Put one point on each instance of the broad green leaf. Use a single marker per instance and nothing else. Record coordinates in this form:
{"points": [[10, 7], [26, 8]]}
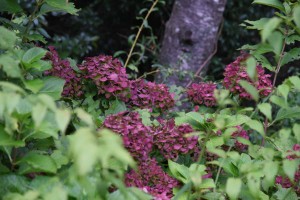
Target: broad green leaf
{"points": [[279, 101], [270, 171], [38, 114], [285, 194], [277, 46], [53, 87], [10, 66], [284, 90], [10, 6], [235, 120], [8, 140], [57, 192], [253, 183], [251, 68], [85, 117], [233, 187], [63, 118], [290, 167], [250, 89], [59, 158], [296, 81], [266, 109], [7, 39], [39, 65], [296, 130], [33, 54], [58, 5], [131, 193], [207, 184], [34, 85], [214, 142], [84, 150], [269, 28], [13, 183], [296, 15], [40, 163], [7, 86], [258, 25], [36, 37], [288, 113], [180, 172], [256, 125], [116, 106], [290, 56], [272, 3]]}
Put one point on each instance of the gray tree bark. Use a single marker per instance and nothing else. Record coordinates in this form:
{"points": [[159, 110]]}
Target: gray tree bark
{"points": [[189, 39]]}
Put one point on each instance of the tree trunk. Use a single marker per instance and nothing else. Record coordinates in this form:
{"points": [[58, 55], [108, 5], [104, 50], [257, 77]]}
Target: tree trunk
{"points": [[190, 38]]}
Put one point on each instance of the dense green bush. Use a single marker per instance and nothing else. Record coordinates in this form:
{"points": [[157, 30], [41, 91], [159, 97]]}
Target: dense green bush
{"points": [[241, 141]]}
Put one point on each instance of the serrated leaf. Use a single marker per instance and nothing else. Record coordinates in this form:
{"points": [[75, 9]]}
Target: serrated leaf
{"points": [[250, 89], [258, 25], [290, 167], [58, 5], [40, 163], [292, 55], [269, 28], [296, 16], [8, 38], [233, 187], [285, 113], [10, 66], [266, 109], [53, 87], [10, 6], [272, 3]]}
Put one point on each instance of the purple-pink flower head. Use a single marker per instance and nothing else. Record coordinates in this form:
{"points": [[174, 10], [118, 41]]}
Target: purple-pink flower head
{"points": [[108, 75], [150, 95], [236, 71], [243, 134], [151, 178], [62, 69], [202, 93], [137, 137], [171, 140]]}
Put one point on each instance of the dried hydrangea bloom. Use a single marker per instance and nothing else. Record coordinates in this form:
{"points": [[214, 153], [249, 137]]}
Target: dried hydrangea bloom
{"points": [[137, 138], [62, 69], [236, 71], [150, 95], [108, 75], [202, 94], [171, 140], [151, 178]]}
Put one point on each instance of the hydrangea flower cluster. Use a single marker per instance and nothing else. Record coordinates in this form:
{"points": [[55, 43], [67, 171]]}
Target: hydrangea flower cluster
{"points": [[62, 69], [109, 76], [150, 95], [285, 182], [152, 179], [171, 141], [236, 71], [202, 93], [137, 138], [243, 134]]}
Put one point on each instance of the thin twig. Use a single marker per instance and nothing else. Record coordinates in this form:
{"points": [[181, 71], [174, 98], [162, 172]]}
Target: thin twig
{"points": [[139, 32], [148, 73]]}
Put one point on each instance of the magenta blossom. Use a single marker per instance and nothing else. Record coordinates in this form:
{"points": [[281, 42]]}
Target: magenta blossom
{"points": [[236, 71], [202, 93]]}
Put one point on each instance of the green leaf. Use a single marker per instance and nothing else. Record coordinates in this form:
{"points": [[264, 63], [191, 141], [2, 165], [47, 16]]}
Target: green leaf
{"points": [[39, 163], [38, 114], [257, 126], [284, 90], [290, 56], [269, 27], [272, 3], [84, 116], [285, 113], [296, 130], [251, 68], [285, 194], [180, 172], [10, 66], [233, 187], [296, 16], [279, 101], [116, 106], [277, 46], [250, 89], [33, 54], [7, 39], [290, 167], [295, 80], [34, 85], [53, 87], [59, 158], [58, 5], [13, 183], [258, 25], [10, 6], [270, 171], [7, 140], [63, 118], [266, 109]]}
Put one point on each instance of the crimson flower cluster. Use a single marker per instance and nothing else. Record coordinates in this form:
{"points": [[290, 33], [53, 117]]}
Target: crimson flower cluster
{"points": [[243, 134], [236, 71], [152, 179], [109, 76], [137, 138], [62, 69], [285, 182], [150, 95], [171, 141], [202, 93]]}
